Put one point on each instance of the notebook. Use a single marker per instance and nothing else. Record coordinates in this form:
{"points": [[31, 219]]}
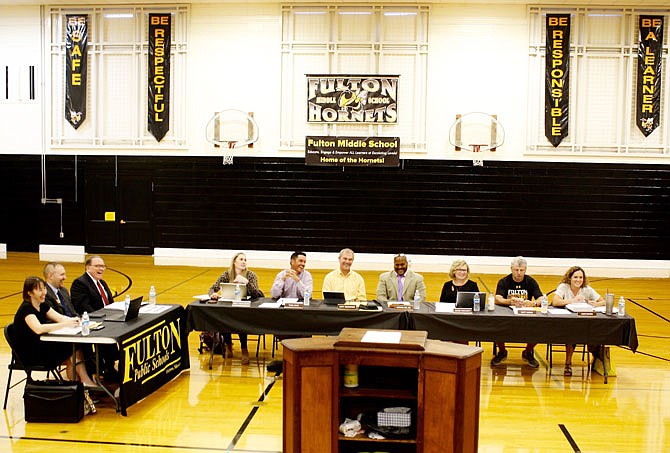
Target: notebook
{"points": [[464, 300], [228, 292], [132, 313], [333, 298]]}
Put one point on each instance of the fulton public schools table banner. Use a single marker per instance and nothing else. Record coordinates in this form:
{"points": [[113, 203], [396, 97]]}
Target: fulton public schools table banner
{"points": [[650, 48], [352, 151], [153, 356], [557, 92], [76, 39], [335, 98], [159, 74]]}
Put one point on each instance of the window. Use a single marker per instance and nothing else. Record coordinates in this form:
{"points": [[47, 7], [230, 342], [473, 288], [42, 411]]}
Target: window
{"points": [[354, 40], [603, 73], [116, 104]]}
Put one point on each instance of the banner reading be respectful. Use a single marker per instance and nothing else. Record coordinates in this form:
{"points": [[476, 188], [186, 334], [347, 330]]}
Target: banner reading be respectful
{"points": [[352, 151]]}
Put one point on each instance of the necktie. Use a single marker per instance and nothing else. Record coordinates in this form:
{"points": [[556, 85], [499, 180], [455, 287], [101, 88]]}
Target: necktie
{"points": [[400, 288], [61, 299], [103, 293]]}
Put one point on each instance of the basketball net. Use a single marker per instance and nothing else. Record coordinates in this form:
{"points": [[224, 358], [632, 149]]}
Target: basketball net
{"points": [[228, 153]]}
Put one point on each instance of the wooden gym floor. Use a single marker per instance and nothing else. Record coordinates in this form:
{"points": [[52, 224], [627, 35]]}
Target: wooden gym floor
{"points": [[239, 408]]}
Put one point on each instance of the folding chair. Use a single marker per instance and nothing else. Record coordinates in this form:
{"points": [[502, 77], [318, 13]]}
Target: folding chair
{"points": [[17, 364]]}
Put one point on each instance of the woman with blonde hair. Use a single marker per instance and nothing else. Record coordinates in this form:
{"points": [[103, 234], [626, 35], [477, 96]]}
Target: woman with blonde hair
{"points": [[237, 273], [460, 281]]}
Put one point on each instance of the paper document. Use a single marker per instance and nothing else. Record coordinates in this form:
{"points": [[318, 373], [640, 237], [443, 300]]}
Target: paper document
{"points": [[154, 308], [276, 304], [374, 336], [444, 307], [558, 311], [67, 331]]}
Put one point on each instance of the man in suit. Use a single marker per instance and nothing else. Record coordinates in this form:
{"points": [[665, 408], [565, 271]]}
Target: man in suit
{"points": [[90, 293], [57, 296], [400, 283]]}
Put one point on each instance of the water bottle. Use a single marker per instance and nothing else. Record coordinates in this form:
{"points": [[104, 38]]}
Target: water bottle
{"points": [[475, 303], [544, 304], [492, 303], [126, 304], [306, 296], [417, 300], [238, 292], [152, 295], [622, 306], [85, 323]]}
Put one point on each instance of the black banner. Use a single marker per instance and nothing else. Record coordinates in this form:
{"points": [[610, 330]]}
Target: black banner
{"points": [[352, 99], [159, 74], [649, 56], [352, 151], [556, 91], [76, 38], [153, 356]]}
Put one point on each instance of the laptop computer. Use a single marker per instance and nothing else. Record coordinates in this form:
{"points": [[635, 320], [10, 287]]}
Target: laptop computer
{"points": [[464, 300], [132, 313], [228, 292], [333, 297]]}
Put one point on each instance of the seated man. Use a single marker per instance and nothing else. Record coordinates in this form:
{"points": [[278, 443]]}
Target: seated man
{"points": [[90, 293], [519, 290], [293, 282], [345, 280], [400, 283]]}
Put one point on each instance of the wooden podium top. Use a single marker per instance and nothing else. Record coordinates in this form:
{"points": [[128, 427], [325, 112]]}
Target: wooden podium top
{"points": [[414, 340]]}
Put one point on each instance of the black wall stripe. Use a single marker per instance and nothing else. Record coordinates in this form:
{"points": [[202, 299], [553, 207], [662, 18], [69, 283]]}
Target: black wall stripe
{"points": [[540, 209]]}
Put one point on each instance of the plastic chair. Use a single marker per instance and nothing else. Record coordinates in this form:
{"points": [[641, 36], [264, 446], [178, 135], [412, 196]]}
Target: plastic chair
{"points": [[17, 364]]}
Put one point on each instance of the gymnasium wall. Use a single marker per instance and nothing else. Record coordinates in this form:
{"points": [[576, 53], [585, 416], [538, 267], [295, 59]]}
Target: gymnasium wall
{"points": [[541, 209]]}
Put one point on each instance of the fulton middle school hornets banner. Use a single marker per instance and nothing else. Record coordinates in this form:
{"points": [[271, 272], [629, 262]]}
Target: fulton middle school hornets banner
{"points": [[76, 38], [649, 56], [556, 97], [352, 98], [159, 74]]}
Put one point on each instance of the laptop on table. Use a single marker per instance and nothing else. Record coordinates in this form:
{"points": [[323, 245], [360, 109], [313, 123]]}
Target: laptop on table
{"points": [[228, 292], [333, 298], [464, 299], [132, 313]]}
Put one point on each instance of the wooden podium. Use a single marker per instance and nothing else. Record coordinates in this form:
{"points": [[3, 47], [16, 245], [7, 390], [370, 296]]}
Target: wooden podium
{"points": [[438, 381]]}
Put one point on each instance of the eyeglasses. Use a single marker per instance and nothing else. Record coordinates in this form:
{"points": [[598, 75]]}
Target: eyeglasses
{"points": [[399, 255], [461, 270], [99, 266]]}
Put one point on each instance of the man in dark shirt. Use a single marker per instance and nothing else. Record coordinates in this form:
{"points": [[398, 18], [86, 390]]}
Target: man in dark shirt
{"points": [[519, 290], [58, 296]]}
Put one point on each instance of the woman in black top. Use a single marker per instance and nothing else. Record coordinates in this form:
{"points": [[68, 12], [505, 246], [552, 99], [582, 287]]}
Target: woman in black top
{"points": [[459, 275], [33, 318]]}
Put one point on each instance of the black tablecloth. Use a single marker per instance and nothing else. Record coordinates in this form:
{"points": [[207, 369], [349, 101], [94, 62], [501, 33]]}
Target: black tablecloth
{"points": [[317, 319], [503, 325], [499, 325]]}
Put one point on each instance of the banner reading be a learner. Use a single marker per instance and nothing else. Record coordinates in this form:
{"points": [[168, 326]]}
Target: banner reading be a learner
{"points": [[352, 151]]}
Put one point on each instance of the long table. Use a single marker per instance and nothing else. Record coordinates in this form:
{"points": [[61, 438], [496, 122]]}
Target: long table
{"points": [[153, 349], [499, 325]]}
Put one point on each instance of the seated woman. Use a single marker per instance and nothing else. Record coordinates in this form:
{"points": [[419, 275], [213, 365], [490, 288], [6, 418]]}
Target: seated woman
{"points": [[237, 273], [460, 281], [31, 320], [574, 287]]}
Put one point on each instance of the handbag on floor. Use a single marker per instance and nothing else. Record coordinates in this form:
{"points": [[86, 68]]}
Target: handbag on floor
{"points": [[54, 401], [599, 367]]}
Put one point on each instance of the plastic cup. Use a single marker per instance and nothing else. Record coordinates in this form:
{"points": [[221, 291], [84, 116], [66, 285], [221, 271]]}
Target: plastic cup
{"points": [[609, 303]]}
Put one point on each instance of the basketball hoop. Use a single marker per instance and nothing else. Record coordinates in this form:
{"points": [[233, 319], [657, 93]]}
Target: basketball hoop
{"points": [[231, 129], [476, 132]]}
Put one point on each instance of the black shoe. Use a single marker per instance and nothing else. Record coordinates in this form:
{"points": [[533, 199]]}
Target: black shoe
{"points": [[499, 357], [529, 357]]}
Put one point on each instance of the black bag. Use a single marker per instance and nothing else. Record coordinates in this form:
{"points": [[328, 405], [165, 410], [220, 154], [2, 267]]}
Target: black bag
{"points": [[54, 401]]}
